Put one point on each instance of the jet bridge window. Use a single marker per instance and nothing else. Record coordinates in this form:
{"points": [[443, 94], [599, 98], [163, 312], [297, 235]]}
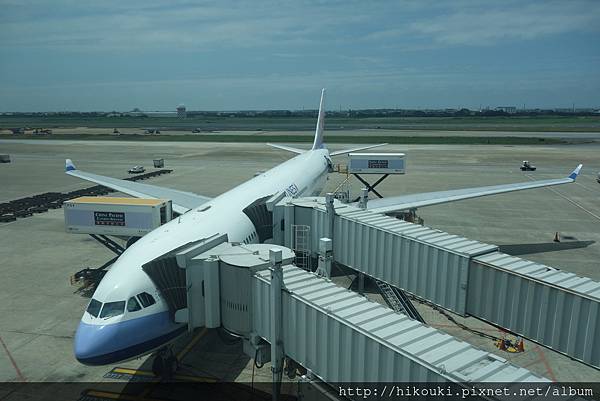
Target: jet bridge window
{"points": [[146, 299], [112, 309], [133, 305], [94, 307]]}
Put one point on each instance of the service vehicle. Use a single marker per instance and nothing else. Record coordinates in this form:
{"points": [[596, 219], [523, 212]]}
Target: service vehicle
{"points": [[136, 170], [527, 166]]}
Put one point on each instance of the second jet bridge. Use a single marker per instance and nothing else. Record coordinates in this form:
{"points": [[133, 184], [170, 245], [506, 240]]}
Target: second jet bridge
{"points": [[340, 335], [556, 309]]}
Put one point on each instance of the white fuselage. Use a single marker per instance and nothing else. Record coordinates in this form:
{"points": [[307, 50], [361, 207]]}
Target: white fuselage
{"points": [[129, 331]]}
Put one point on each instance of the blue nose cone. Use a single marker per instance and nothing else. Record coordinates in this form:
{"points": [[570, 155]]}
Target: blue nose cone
{"points": [[108, 343], [87, 345]]}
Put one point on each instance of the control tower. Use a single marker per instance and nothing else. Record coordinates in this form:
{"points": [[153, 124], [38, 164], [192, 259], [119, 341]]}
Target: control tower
{"points": [[181, 111]]}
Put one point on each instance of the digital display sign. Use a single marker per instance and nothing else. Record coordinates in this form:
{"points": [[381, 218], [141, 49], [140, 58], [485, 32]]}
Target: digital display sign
{"points": [[378, 163]]}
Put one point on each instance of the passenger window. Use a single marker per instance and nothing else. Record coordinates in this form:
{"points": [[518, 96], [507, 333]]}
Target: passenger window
{"points": [[94, 307], [112, 309], [133, 305], [146, 299]]}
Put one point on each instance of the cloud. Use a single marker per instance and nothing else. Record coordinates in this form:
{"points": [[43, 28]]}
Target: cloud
{"points": [[150, 49], [158, 24], [236, 24], [521, 22]]}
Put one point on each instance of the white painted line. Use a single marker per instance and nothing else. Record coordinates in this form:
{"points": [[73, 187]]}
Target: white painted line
{"points": [[570, 201]]}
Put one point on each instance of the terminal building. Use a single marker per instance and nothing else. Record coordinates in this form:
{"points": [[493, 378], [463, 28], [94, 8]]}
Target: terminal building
{"points": [[507, 109]]}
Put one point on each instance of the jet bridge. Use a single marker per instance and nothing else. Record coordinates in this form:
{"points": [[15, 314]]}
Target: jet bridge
{"points": [[340, 336], [557, 309], [253, 291]]}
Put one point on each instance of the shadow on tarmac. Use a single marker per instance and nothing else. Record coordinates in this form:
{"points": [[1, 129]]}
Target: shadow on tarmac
{"points": [[210, 363], [526, 249]]}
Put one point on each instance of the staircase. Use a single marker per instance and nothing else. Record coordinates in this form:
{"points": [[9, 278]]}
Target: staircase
{"points": [[398, 301]]}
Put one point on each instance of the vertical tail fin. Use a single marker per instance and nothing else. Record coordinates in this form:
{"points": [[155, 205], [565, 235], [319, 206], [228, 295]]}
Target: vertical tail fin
{"points": [[317, 144]]}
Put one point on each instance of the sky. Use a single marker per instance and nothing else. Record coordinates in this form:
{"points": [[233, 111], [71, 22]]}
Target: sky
{"points": [[78, 55]]}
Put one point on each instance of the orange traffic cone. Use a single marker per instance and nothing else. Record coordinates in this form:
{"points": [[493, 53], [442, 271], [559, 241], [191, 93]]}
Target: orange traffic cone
{"points": [[521, 346], [556, 237]]}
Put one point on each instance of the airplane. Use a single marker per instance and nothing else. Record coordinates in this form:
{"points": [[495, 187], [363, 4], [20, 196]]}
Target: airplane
{"points": [[127, 318]]}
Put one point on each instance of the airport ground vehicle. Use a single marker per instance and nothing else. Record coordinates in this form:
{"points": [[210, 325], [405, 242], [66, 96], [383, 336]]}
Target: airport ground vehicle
{"points": [[136, 170], [527, 166]]}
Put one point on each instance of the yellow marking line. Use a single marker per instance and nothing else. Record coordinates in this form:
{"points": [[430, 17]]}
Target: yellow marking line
{"points": [[118, 396], [135, 372], [191, 344]]}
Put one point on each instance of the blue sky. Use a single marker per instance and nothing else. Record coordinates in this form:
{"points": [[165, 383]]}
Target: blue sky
{"points": [[228, 55]]}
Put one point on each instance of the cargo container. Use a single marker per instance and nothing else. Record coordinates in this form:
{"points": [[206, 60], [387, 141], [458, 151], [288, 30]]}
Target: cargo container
{"points": [[127, 217], [376, 163]]}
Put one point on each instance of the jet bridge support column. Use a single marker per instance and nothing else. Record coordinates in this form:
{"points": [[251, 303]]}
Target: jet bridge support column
{"points": [[329, 199], [275, 257], [325, 257], [361, 283], [364, 198]]}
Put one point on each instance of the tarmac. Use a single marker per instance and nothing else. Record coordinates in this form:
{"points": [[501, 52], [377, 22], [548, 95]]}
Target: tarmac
{"points": [[40, 309]]}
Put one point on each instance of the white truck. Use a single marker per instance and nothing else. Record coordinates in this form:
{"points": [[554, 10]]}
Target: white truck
{"points": [[124, 217]]}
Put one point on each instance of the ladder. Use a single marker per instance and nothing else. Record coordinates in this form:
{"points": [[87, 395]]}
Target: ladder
{"points": [[300, 246]]}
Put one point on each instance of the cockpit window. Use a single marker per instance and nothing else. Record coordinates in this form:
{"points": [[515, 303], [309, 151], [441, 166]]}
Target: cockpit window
{"points": [[133, 305], [112, 309], [94, 307], [146, 299]]}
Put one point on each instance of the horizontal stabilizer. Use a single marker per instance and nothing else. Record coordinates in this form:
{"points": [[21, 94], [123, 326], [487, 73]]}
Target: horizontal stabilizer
{"points": [[287, 148], [342, 152]]}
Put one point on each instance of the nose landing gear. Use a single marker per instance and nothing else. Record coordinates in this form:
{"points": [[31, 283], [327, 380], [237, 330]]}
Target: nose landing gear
{"points": [[165, 363]]}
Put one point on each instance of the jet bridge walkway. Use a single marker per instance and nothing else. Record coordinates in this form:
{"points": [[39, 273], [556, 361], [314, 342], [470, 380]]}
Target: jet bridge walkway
{"points": [[554, 308], [337, 334], [342, 336]]}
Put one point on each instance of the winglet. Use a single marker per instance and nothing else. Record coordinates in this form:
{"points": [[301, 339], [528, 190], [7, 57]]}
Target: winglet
{"points": [[69, 166], [575, 172], [318, 143]]}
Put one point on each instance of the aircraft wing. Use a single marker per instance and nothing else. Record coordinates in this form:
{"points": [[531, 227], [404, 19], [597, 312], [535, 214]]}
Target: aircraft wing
{"points": [[182, 201], [407, 202]]}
